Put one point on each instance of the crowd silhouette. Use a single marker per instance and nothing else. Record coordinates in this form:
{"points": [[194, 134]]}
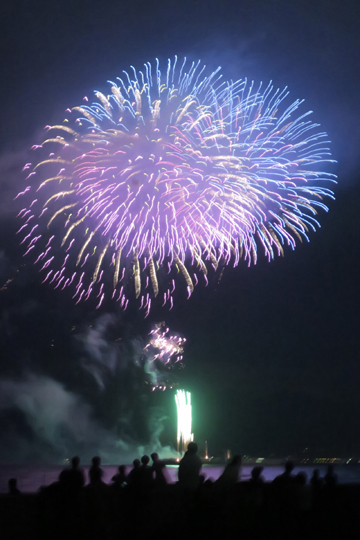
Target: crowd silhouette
{"points": [[144, 504]]}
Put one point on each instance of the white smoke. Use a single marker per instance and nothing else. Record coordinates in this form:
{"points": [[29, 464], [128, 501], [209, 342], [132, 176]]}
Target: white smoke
{"points": [[58, 422], [102, 357], [64, 424]]}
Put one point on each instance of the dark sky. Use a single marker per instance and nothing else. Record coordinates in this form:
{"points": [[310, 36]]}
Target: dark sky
{"points": [[272, 356]]}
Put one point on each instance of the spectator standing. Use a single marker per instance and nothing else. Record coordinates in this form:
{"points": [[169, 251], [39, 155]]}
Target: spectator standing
{"points": [[189, 468]]}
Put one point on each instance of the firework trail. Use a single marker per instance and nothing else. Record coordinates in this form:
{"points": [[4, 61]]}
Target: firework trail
{"points": [[170, 174], [184, 420]]}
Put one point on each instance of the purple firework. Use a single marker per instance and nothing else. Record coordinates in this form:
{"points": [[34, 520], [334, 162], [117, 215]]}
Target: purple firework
{"points": [[163, 351], [170, 174]]}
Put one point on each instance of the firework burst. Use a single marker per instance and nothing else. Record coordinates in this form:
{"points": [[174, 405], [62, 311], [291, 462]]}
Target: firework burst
{"points": [[164, 353], [169, 175]]}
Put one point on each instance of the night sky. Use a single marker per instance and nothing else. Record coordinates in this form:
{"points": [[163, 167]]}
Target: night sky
{"points": [[272, 353]]}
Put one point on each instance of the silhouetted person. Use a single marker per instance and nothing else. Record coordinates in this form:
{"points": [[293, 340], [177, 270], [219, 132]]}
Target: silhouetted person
{"points": [[155, 457], [57, 507], [286, 477], [316, 487], [231, 473], [315, 480], [145, 473], [189, 468], [120, 478], [75, 476], [302, 492], [330, 477], [63, 476], [95, 499], [133, 476], [159, 469], [256, 477], [13, 490], [95, 472], [256, 487], [71, 483], [301, 478], [283, 489]]}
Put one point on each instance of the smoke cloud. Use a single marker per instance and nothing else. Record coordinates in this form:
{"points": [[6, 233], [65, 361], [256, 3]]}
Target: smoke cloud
{"points": [[109, 411]]}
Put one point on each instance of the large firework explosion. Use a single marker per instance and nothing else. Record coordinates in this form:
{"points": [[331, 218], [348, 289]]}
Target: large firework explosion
{"points": [[170, 174]]}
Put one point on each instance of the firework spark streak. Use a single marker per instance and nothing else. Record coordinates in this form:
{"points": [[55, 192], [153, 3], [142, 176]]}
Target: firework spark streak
{"points": [[169, 174], [164, 352], [184, 420], [168, 347]]}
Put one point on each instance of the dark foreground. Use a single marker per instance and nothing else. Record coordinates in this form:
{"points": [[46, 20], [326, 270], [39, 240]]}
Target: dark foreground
{"points": [[242, 511]]}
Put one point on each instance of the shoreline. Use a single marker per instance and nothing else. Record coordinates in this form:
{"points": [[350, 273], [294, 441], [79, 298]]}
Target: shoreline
{"points": [[31, 478]]}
